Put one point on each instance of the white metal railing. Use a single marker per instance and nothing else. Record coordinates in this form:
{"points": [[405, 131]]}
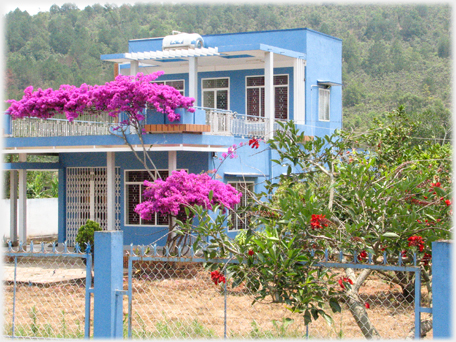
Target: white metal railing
{"points": [[225, 122], [34, 127], [222, 122]]}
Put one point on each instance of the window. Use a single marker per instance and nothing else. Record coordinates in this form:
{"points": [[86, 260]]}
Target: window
{"points": [[255, 96], [178, 84], [323, 104], [216, 93], [134, 188], [241, 219]]}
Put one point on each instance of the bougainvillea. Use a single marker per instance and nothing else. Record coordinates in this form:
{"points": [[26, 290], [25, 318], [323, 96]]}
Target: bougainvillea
{"points": [[130, 94], [181, 189]]}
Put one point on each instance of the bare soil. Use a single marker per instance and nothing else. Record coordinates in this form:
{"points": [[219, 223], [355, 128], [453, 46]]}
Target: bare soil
{"points": [[181, 301]]}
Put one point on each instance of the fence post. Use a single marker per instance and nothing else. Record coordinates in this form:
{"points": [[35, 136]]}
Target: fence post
{"points": [[108, 276], [441, 289]]}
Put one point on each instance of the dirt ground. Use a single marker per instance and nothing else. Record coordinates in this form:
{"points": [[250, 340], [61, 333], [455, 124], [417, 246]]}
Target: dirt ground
{"points": [[182, 302]]}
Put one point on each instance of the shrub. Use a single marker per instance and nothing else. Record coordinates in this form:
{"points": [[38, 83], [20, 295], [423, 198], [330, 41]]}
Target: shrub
{"points": [[86, 234]]}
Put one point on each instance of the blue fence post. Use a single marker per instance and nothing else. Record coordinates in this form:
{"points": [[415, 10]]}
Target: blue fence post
{"points": [[108, 276], [441, 289]]}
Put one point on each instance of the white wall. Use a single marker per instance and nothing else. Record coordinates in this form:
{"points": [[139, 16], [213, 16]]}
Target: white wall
{"points": [[42, 217]]}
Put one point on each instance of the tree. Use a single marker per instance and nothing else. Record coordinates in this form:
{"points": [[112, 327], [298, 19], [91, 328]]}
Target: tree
{"points": [[375, 193], [127, 96]]}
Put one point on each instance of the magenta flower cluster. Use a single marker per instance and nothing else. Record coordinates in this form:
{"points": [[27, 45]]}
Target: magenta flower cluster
{"points": [[181, 189], [130, 94]]}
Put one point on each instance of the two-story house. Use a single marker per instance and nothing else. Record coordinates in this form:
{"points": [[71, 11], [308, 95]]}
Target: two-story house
{"points": [[243, 84]]}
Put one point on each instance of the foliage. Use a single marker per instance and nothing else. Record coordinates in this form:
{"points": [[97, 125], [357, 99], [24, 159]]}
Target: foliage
{"points": [[38, 187], [376, 194], [86, 235], [63, 46]]}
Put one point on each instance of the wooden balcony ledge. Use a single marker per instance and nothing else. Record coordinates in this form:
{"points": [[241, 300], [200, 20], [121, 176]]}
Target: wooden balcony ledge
{"points": [[177, 128]]}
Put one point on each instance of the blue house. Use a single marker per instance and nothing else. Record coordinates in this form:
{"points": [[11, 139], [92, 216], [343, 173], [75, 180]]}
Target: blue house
{"points": [[243, 84]]}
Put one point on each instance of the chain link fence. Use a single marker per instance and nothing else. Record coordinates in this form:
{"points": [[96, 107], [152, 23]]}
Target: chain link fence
{"points": [[44, 296], [179, 300]]}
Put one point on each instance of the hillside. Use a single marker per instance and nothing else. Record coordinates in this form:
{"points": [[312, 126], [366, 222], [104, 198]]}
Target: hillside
{"points": [[391, 54]]}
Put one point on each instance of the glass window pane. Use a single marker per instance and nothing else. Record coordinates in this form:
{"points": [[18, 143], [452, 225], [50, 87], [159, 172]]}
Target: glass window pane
{"points": [[222, 99], [208, 99]]}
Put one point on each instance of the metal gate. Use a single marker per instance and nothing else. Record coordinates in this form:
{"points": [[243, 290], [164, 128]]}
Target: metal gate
{"points": [[86, 192]]}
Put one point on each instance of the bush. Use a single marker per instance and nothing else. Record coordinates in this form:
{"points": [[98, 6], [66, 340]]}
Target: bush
{"points": [[86, 234]]}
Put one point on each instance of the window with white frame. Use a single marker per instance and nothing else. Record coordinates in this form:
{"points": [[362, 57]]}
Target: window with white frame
{"points": [[216, 93], [240, 219], [255, 96], [134, 188], [177, 84], [323, 104]]}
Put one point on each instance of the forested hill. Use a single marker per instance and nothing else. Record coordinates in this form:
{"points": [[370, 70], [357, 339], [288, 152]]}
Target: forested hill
{"points": [[391, 54]]}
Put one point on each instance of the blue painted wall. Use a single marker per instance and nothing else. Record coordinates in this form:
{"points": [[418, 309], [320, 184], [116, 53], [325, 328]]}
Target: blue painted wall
{"points": [[194, 162], [292, 39], [324, 62], [442, 289]]}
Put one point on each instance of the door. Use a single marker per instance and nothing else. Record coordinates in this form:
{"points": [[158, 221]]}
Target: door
{"points": [[86, 199]]}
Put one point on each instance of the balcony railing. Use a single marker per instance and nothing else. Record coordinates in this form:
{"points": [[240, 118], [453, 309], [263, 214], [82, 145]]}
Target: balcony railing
{"points": [[59, 127], [225, 122], [222, 122]]}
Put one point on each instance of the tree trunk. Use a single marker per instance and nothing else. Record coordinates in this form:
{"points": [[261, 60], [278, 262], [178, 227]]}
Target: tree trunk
{"points": [[426, 326], [356, 305], [357, 309]]}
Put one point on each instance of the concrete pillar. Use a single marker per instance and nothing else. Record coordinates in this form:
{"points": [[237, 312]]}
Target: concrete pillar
{"points": [[111, 190], [13, 206], [299, 105], [134, 68], [172, 161], [22, 200], [269, 105], [62, 206], [442, 316], [193, 79], [108, 277]]}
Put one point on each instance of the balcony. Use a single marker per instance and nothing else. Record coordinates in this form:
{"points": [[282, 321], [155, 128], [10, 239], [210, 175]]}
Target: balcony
{"points": [[205, 120]]}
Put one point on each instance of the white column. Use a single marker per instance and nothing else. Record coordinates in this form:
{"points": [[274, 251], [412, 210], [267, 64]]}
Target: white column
{"points": [[299, 105], [269, 91], [111, 190], [193, 79], [134, 68], [13, 206], [172, 161], [22, 200]]}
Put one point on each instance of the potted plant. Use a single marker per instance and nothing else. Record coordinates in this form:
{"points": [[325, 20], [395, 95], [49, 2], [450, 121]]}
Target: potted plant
{"points": [[86, 235]]}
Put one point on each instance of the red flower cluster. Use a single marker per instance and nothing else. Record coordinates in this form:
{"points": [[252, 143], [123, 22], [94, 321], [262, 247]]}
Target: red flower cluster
{"points": [[448, 202], [426, 258], [362, 256], [343, 280], [416, 240], [254, 143], [367, 305], [217, 277], [317, 221], [251, 252]]}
